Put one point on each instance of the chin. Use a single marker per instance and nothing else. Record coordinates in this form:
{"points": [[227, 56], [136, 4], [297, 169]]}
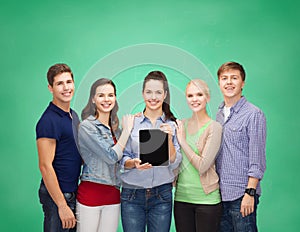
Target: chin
{"points": [[155, 107]]}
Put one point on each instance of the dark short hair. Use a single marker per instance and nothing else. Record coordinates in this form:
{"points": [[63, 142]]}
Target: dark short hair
{"points": [[56, 69], [232, 65]]}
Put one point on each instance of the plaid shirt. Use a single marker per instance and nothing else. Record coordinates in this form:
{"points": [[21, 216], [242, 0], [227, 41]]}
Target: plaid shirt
{"points": [[243, 149]]}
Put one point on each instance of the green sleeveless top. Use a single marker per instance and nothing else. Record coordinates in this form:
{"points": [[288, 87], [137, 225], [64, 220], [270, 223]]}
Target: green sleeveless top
{"points": [[189, 188]]}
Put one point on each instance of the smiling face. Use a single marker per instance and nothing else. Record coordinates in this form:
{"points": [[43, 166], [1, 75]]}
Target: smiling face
{"points": [[62, 89], [154, 94], [231, 85], [104, 98], [196, 97]]}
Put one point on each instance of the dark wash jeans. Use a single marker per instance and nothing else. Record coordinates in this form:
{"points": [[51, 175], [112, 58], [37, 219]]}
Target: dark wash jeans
{"points": [[52, 222], [232, 220], [151, 208]]}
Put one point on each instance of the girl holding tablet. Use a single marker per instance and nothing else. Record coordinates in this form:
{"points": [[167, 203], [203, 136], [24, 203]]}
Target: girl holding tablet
{"points": [[146, 197]]}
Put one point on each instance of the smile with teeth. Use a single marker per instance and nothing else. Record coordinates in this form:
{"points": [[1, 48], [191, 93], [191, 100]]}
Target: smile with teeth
{"points": [[66, 94], [106, 105], [153, 102], [229, 88]]}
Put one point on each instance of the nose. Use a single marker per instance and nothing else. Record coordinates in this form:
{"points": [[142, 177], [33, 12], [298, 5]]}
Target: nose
{"points": [[229, 80], [66, 86], [153, 96]]}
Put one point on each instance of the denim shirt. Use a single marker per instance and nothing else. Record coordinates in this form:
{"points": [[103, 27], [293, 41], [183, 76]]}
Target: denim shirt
{"points": [[99, 153], [155, 176]]}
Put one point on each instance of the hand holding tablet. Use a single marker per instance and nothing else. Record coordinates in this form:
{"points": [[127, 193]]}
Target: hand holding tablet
{"points": [[154, 147]]}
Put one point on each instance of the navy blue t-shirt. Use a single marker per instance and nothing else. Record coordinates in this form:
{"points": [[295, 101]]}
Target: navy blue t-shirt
{"points": [[57, 124]]}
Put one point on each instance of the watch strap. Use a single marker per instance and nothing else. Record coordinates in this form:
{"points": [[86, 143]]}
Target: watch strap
{"points": [[250, 191]]}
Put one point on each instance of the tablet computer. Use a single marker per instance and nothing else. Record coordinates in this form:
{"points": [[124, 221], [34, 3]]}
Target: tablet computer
{"points": [[154, 147]]}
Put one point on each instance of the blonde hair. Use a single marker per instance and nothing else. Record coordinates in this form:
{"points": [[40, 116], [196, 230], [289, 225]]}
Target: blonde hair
{"points": [[201, 85]]}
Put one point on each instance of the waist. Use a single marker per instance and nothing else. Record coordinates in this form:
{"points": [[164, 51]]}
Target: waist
{"points": [[96, 194], [67, 195], [149, 178], [103, 178], [153, 190]]}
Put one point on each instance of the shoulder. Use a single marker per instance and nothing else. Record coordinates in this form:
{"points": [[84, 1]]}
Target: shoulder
{"points": [[88, 122], [251, 108], [49, 125], [75, 116], [215, 127], [138, 119], [255, 114], [184, 120], [172, 123], [48, 118]]}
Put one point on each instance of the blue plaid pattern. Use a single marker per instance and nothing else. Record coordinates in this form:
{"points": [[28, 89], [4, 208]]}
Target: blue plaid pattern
{"points": [[243, 149]]}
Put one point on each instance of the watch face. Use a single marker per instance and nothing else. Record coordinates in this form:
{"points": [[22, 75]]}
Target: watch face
{"points": [[251, 191]]}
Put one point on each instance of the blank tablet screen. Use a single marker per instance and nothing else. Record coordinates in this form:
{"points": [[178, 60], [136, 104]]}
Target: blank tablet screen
{"points": [[154, 147]]}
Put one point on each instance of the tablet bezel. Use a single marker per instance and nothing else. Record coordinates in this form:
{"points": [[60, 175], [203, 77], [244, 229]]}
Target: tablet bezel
{"points": [[148, 157]]}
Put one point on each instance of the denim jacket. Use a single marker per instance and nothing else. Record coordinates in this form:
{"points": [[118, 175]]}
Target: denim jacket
{"points": [[99, 153]]}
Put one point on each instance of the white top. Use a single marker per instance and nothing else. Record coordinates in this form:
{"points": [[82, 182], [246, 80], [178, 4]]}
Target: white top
{"points": [[226, 111]]}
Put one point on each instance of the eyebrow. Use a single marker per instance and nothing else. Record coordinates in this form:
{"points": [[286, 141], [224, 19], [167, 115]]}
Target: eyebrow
{"points": [[104, 93], [58, 82]]}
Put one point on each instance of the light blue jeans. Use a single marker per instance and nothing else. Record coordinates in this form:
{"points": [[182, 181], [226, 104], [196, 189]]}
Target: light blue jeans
{"points": [[232, 220], [147, 208]]}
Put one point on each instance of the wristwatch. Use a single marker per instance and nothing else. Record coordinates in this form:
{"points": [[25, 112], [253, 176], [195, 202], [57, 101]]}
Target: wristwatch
{"points": [[250, 191]]}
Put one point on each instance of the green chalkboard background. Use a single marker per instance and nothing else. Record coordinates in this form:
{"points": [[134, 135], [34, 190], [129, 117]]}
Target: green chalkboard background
{"points": [[185, 39]]}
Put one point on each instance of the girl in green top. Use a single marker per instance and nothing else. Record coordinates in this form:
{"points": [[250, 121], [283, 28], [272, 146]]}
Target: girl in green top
{"points": [[197, 204]]}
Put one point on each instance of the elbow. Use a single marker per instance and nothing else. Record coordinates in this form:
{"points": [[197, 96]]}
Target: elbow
{"points": [[44, 168], [202, 169], [114, 158]]}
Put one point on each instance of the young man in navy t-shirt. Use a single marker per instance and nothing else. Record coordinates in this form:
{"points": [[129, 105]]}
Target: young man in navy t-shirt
{"points": [[59, 158]]}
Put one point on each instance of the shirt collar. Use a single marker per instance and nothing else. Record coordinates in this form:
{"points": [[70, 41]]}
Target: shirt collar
{"points": [[95, 121], [58, 110], [162, 118], [237, 106]]}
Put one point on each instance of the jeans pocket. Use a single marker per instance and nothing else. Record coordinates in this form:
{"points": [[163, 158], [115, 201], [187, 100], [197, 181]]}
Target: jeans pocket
{"points": [[165, 195], [71, 200], [127, 194], [70, 196]]}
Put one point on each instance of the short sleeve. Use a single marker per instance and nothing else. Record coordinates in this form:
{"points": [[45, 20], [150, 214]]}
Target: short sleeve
{"points": [[47, 128]]}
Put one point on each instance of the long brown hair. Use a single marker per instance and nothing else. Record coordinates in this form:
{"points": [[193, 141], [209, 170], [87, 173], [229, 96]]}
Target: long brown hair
{"points": [[91, 109], [160, 76]]}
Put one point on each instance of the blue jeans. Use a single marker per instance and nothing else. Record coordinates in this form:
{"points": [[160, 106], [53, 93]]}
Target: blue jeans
{"points": [[232, 220], [151, 208], [52, 222]]}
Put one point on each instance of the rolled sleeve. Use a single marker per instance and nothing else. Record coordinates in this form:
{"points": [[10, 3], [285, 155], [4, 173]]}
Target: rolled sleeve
{"points": [[127, 155], [257, 145], [178, 158]]}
